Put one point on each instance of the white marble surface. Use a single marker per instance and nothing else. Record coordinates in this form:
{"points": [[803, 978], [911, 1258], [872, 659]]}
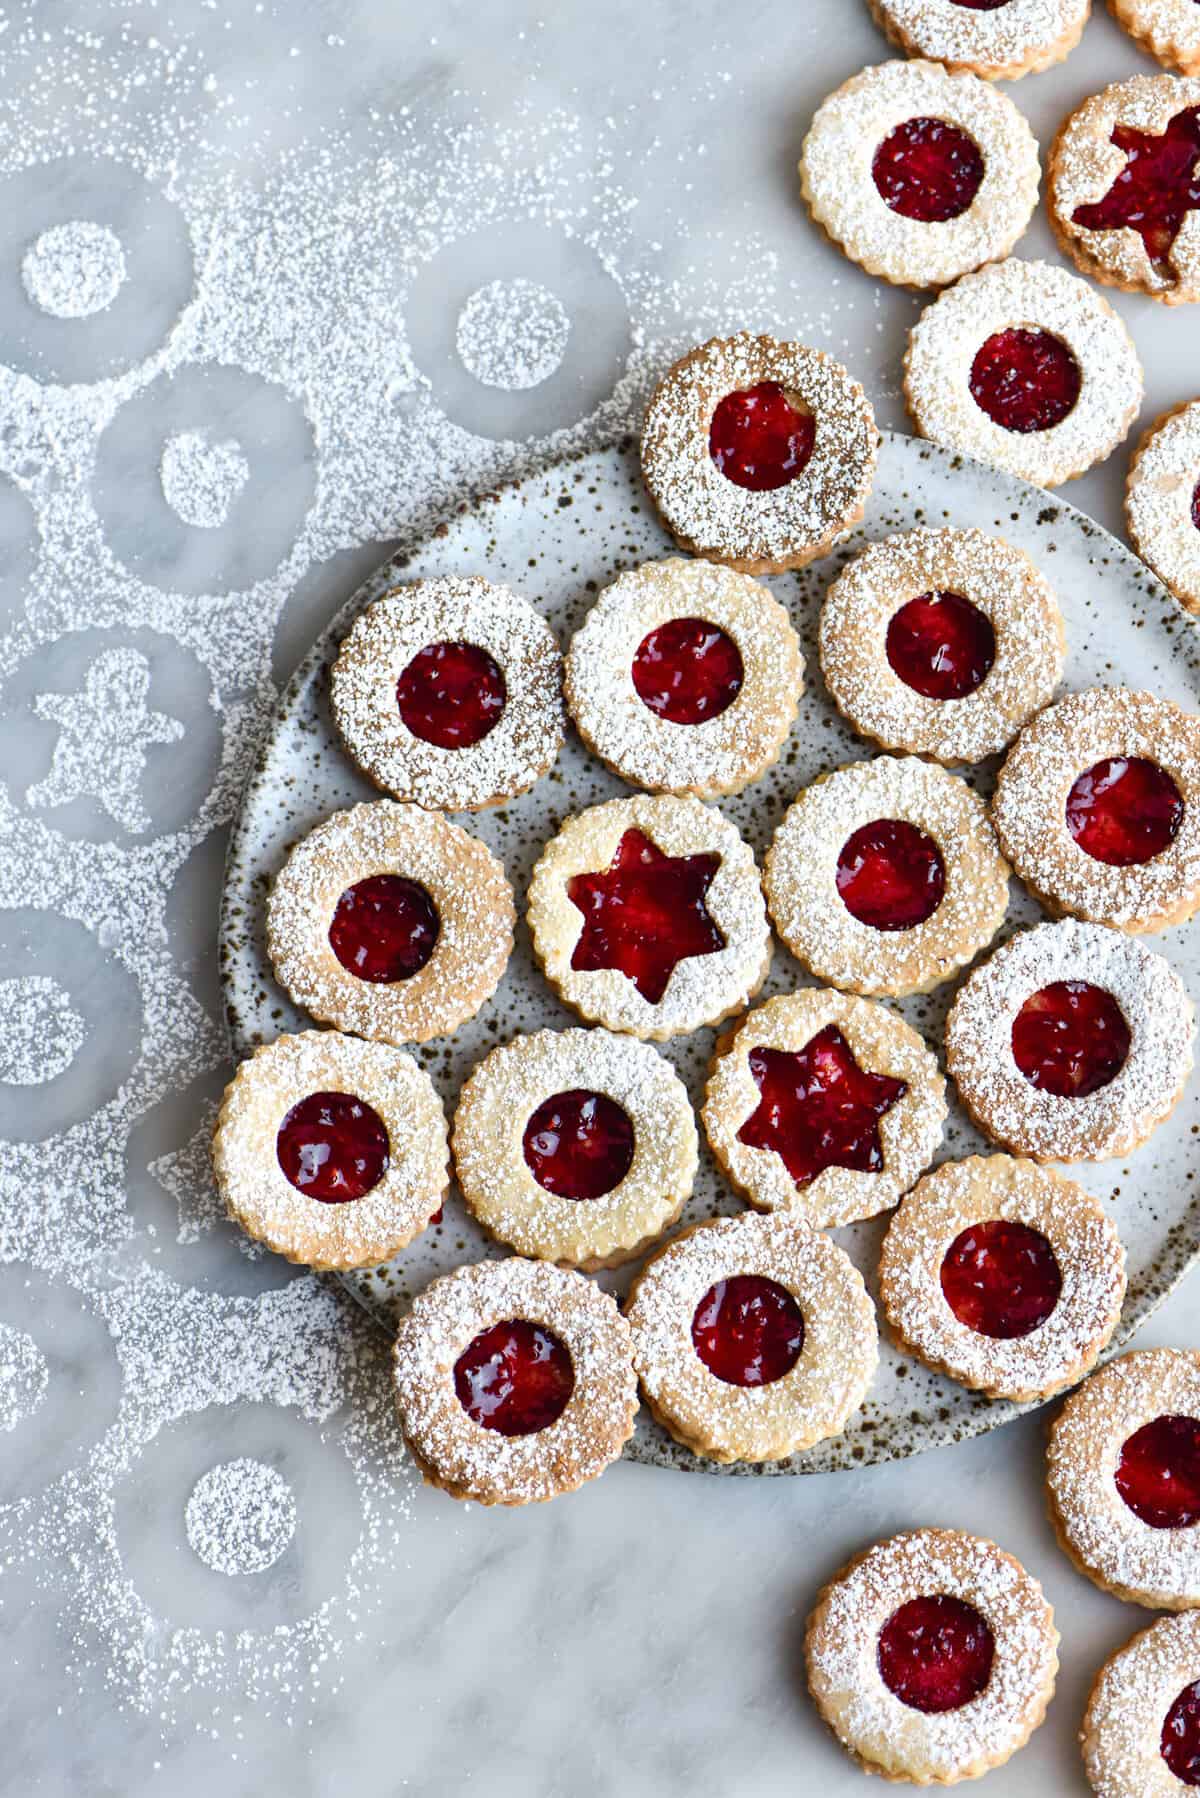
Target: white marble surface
{"points": [[644, 1636]]}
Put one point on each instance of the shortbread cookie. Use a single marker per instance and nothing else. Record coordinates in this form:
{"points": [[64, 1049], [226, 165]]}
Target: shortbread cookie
{"points": [[932, 1656], [753, 1338], [885, 876], [1025, 366], [941, 643], [1072, 1043], [1141, 1734], [759, 454], [575, 1146], [1124, 191], [390, 922], [1004, 1275], [1162, 497], [514, 1381], [685, 678], [1001, 40], [1166, 29], [1098, 809], [331, 1151], [1123, 1475], [647, 915], [919, 175], [824, 1106], [449, 692]]}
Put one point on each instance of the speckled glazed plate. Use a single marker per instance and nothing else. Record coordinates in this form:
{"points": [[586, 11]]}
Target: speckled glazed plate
{"points": [[558, 537]]}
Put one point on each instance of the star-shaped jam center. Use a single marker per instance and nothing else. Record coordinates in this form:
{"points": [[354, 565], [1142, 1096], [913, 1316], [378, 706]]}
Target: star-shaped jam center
{"points": [[645, 913], [1157, 188], [818, 1108]]}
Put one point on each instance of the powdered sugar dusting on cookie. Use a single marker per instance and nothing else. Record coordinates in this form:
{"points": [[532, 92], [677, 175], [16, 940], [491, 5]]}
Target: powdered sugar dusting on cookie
{"points": [[1160, 498], [1016, 38]]}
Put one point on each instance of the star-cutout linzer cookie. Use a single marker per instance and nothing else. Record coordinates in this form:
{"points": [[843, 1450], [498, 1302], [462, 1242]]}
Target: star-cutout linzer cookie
{"points": [[1157, 188], [818, 1108], [645, 913]]}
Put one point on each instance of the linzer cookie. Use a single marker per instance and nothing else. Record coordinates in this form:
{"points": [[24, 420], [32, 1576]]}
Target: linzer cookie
{"points": [[1162, 498], [759, 454], [1166, 29], [1000, 41], [919, 175], [1141, 1734]]}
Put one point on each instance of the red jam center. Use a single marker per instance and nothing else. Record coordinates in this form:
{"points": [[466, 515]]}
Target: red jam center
{"points": [[748, 1330], [579, 1144], [1196, 506], [941, 645], [1180, 1740], [936, 1653], [1070, 1039], [687, 671], [981, 5], [818, 1108], [1158, 1474], [928, 169], [890, 875], [451, 695], [1157, 188], [1001, 1279], [333, 1147], [515, 1378], [1025, 380], [1125, 810], [645, 913], [758, 439], [384, 928]]}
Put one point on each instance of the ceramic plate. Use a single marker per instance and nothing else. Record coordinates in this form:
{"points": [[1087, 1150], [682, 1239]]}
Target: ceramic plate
{"points": [[560, 536]]}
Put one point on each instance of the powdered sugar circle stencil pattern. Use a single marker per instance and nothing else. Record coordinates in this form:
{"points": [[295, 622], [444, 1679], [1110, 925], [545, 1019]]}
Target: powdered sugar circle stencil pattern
{"points": [[240, 1517], [512, 334], [24, 1377], [200, 479], [40, 1031], [75, 269]]}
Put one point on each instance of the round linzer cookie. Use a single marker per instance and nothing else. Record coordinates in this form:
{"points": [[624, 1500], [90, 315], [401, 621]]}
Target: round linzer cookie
{"points": [[1001, 40], [1123, 194], [824, 1106], [1098, 809], [885, 876], [685, 678], [331, 1151], [1123, 1475], [932, 1656], [449, 692], [647, 916], [1071, 1043], [390, 922], [919, 175], [759, 454], [1004, 1275], [575, 1146], [1141, 1733], [1166, 29], [941, 643], [753, 1338], [514, 1381], [1025, 366], [1162, 497]]}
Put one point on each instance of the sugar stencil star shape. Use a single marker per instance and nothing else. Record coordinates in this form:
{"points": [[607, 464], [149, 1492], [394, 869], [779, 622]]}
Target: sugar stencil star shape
{"points": [[817, 1108], [1157, 188], [645, 913]]}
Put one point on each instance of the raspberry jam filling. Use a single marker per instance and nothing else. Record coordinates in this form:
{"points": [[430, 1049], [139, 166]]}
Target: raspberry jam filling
{"points": [[1196, 506], [941, 646], [748, 1330], [1070, 1039], [936, 1653], [1025, 380], [759, 439], [1158, 1473], [579, 1144], [928, 169], [333, 1147], [645, 913], [687, 671], [1125, 810], [890, 875], [818, 1108], [515, 1378], [1157, 188], [384, 928], [1179, 1743], [451, 695], [981, 5], [1001, 1279]]}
